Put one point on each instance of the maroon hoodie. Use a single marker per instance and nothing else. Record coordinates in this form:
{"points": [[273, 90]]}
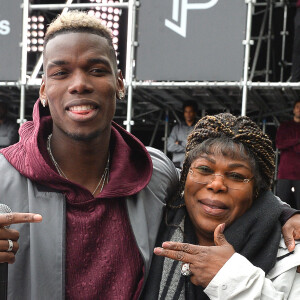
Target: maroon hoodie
{"points": [[102, 258]]}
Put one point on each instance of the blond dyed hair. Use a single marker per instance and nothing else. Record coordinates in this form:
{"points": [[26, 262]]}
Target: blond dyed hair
{"points": [[79, 21]]}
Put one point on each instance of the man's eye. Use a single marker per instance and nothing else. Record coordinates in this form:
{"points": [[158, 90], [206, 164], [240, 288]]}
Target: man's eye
{"points": [[204, 170], [59, 73], [98, 71], [236, 176]]}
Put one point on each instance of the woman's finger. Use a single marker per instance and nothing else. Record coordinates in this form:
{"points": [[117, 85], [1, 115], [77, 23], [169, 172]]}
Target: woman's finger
{"points": [[291, 231], [174, 254], [185, 247], [219, 237]]}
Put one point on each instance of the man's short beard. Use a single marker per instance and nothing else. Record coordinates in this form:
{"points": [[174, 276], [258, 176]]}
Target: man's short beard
{"points": [[82, 137]]}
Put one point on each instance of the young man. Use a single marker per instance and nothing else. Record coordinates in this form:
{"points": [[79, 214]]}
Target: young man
{"points": [[100, 192], [178, 137], [288, 142]]}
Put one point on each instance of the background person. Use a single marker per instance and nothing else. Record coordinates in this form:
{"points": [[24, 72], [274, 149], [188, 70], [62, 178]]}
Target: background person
{"points": [[225, 184], [288, 142], [8, 128], [178, 137]]}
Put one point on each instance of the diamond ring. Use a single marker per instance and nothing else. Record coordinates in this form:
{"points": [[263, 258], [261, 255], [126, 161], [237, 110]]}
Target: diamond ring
{"points": [[185, 270], [10, 245]]}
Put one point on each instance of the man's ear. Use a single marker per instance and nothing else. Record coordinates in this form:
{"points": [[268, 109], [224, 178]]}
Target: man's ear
{"points": [[120, 83], [42, 89]]}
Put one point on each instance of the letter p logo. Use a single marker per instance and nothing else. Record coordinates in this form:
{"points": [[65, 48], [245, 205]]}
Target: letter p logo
{"points": [[182, 13]]}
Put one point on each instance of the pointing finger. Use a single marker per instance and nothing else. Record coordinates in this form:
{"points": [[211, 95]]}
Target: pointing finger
{"points": [[15, 218], [176, 255], [182, 252], [185, 247]]}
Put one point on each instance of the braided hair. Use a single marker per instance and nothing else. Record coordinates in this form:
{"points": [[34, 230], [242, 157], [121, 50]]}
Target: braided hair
{"points": [[247, 137]]}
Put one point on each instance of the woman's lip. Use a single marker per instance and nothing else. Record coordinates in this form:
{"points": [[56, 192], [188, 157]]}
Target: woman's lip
{"points": [[213, 207], [213, 203]]}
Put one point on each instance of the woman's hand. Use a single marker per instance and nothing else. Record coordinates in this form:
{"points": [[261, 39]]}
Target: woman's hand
{"points": [[291, 231], [205, 261], [11, 234]]}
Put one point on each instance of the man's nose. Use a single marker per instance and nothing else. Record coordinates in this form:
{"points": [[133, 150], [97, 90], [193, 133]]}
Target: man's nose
{"points": [[80, 83]]}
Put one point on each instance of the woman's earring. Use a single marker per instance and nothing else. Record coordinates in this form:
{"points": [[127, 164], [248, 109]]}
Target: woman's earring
{"points": [[182, 194], [121, 95]]}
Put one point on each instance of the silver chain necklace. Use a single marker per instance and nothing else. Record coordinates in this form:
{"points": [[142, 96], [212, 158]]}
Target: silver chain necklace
{"points": [[104, 178]]}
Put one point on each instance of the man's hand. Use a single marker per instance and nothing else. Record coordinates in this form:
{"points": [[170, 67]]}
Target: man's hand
{"points": [[11, 234], [205, 261], [291, 231]]}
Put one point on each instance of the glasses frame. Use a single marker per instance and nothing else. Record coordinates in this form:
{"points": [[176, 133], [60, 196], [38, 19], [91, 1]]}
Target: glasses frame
{"points": [[191, 171]]}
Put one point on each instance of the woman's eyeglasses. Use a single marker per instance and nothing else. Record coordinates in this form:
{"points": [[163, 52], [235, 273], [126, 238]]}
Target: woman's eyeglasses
{"points": [[232, 180]]}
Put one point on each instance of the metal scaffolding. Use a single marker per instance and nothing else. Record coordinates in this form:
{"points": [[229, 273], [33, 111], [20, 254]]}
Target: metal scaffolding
{"points": [[217, 90]]}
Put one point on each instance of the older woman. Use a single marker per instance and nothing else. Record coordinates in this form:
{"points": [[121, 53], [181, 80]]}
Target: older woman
{"points": [[225, 186]]}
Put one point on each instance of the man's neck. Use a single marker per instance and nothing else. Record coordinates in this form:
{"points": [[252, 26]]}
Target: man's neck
{"points": [[82, 162], [297, 119], [190, 123]]}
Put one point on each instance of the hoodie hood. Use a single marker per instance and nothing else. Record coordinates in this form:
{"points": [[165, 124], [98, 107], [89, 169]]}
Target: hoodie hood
{"points": [[130, 163]]}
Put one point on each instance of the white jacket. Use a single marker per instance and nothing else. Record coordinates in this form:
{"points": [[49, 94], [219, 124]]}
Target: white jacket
{"points": [[240, 279]]}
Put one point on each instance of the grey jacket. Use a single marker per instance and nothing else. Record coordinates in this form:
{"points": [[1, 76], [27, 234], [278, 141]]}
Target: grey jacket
{"points": [[38, 272], [179, 134]]}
